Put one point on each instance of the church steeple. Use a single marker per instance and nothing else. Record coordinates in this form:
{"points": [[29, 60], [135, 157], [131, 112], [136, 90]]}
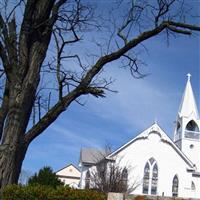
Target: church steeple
{"points": [[187, 129], [188, 105]]}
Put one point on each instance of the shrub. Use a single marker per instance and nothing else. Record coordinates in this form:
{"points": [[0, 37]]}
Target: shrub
{"points": [[39, 192]]}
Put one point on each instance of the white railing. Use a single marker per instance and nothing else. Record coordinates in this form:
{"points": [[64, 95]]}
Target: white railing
{"points": [[192, 134], [188, 134]]}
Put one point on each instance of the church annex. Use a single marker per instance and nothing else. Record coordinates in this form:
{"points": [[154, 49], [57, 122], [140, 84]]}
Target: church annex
{"points": [[159, 165]]}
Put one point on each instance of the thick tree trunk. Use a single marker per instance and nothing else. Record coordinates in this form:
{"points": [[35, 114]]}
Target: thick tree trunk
{"points": [[23, 75], [11, 158], [13, 146]]}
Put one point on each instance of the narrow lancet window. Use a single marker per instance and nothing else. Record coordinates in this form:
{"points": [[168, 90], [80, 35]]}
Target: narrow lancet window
{"points": [[87, 180], [154, 181], [193, 188], [125, 179], [178, 132], [175, 184], [146, 178]]}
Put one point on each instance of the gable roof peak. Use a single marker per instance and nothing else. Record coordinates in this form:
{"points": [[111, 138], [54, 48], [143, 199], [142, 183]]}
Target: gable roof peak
{"points": [[67, 166], [154, 128]]}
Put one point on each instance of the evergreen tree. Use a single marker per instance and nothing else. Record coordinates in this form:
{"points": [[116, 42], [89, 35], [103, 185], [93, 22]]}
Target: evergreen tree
{"points": [[45, 176]]}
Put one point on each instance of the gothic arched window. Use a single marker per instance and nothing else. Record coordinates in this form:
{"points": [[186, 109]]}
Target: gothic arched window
{"points": [[192, 130], [151, 160], [178, 127], [193, 186], [154, 179], [125, 179], [192, 126], [150, 179], [146, 178], [175, 184], [125, 174], [87, 180], [178, 131]]}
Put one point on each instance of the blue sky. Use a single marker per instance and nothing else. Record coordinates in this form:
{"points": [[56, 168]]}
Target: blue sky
{"points": [[121, 116]]}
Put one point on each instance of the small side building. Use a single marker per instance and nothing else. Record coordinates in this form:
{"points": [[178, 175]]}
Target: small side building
{"points": [[89, 157], [69, 175]]}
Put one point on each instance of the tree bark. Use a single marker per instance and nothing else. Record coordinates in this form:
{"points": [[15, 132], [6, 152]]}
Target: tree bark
{"points": [[11, 158], [13, 147], [23, 77]]}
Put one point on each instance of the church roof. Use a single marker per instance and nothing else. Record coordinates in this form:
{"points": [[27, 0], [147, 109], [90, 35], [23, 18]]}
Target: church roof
{"points": [[188, 104], [92, 156], [155, 128]]}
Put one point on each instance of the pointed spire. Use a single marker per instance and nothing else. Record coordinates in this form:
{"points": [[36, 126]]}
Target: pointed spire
{"points": [[188, 104], [155, 120], [189, 76]]}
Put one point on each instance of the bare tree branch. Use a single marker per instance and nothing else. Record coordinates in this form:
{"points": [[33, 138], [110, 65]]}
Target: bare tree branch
{"points": [[184, 26], [83, 86]]}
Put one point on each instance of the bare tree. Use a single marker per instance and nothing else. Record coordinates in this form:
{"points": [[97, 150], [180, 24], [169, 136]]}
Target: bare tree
{"points": [[110, 176], [37, 41]]}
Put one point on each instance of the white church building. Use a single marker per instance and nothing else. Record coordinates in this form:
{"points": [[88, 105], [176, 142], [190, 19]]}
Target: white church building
{"points": [[161, 166]]}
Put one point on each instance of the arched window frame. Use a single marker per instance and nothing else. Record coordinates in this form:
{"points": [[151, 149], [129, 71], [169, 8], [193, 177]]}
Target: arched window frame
{"points": [[192, 126], [193, 187], [146, 178], [87, 179], [154, 181], [178, 126], [125, 179], [175, 186], [178, 131], [125, 174], [150, 179], [192, 130]]}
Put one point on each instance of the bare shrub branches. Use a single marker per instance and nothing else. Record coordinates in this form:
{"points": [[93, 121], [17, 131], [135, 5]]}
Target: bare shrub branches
{"points": [[109, 175]]}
